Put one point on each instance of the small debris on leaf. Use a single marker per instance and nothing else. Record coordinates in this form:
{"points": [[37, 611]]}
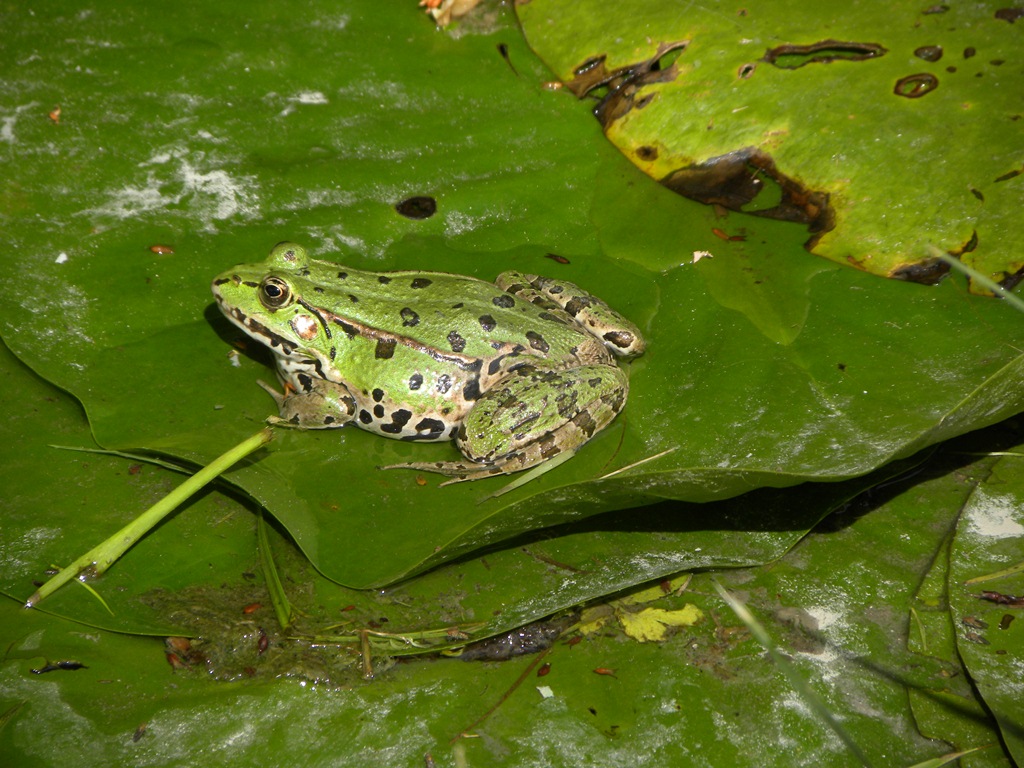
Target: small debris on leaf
{"points": [[445, 11], [418, 207], [1002, 599], [58, 666]]}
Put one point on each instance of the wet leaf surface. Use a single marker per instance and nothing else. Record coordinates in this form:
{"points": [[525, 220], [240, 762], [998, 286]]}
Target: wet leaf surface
{"points": [[178, 152], [764, 369], [837, 605]]}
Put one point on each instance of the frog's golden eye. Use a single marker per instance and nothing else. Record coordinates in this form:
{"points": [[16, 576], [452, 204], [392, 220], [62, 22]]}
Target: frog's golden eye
{"points": [[275, 293]]}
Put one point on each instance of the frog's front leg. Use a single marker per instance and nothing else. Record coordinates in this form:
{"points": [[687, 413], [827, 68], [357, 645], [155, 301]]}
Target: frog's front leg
{"points": [[534, 416], [321, 404]]}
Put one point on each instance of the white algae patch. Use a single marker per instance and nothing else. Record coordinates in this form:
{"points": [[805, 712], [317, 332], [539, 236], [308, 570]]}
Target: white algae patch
{"points": [[195, 184]]}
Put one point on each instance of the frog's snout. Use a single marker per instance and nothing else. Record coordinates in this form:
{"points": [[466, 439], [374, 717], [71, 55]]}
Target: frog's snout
{"points": [[222, 280]]}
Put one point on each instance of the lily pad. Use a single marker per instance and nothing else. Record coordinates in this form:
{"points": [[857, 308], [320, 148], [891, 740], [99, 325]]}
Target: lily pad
{"points": [[885, 130], [798, 373], [836, 606], [180, 132]]}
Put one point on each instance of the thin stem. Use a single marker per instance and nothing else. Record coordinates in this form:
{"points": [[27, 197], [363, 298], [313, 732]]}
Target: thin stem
{"points": [[100, 558]]}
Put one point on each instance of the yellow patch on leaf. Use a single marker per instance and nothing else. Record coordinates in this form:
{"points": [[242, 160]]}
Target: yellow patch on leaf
{"points": [[651, 624]]}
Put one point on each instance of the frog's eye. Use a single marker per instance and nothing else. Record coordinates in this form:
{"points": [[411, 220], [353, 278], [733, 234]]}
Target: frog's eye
{"points": [[275, 293]]}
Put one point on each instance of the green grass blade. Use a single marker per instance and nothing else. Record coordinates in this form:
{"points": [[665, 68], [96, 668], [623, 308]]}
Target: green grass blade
{"points": [[101, 557], [282, 606]]}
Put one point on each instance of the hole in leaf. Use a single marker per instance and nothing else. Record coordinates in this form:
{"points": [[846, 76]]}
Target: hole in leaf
{"points": [[795, 56], [929, 52], [927, 271], [917, 85], [618, 89], [748, 180], [667, 60]]}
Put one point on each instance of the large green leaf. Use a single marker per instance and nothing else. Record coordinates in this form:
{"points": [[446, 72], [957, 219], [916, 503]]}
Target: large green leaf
{"points": [[836, 606], [886, 128], [732, 371], [764, 368], [195, 573]]}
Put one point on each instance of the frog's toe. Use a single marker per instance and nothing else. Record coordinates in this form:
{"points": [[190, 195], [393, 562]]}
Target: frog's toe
{"points": [[458, 471], [278, 397], [277, 421]]}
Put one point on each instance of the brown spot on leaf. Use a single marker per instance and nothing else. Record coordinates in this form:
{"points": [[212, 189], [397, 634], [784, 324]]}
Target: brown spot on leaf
{"points": [[385, 349], [647, 152], [1009, 175], [503, 50], [1009, 14]]}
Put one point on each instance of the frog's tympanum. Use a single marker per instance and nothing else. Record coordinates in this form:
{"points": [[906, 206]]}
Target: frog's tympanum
{"points": [[516, 372]]}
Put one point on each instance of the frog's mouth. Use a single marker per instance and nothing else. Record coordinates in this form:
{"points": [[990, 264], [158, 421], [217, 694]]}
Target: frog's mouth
{"points": [[278, 344]]}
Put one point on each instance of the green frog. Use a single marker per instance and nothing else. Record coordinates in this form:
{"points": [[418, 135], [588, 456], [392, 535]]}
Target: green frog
{"points": [[516, 372]]}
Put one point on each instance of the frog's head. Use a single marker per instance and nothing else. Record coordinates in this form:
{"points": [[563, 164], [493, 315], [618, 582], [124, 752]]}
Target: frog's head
{"points": [[265, 301]]}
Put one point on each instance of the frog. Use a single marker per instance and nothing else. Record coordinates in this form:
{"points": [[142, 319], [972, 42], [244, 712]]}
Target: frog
{"points": [[515, 372]]}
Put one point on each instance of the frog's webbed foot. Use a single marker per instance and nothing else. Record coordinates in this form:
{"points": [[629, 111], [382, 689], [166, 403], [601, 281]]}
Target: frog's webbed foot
{"points": [[458, 471], [462, 471], [279, 398], [324, 406]]}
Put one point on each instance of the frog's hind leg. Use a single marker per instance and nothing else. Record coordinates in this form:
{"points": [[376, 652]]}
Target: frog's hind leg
{"points": [[567, 302], [534, 417]]}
